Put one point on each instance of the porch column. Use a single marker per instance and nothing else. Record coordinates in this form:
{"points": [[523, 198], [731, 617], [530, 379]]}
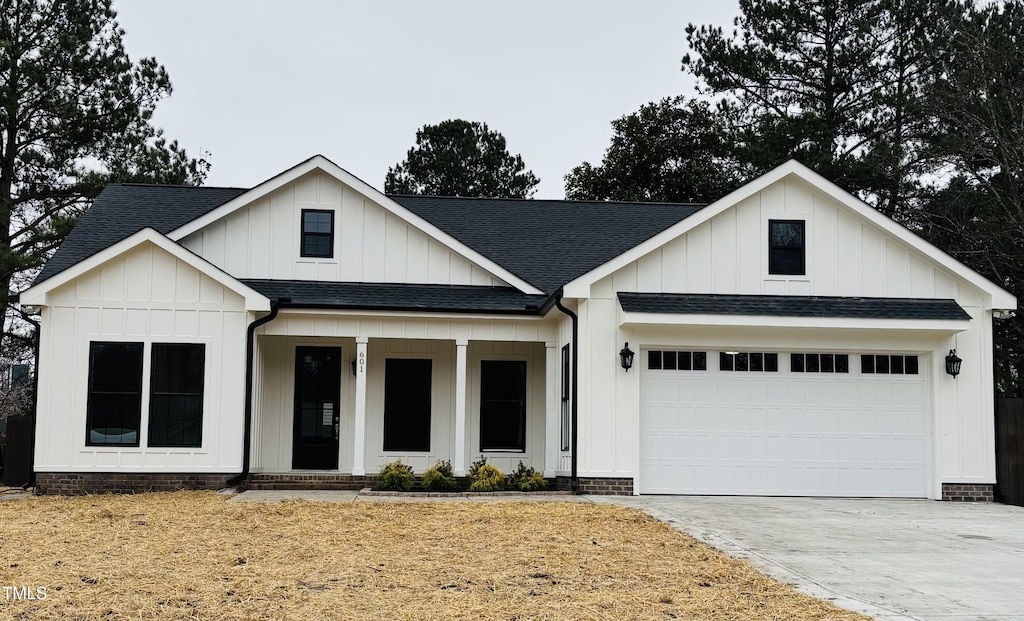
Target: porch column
{"points": [[553, 404], [359, 433], [459, 463]]}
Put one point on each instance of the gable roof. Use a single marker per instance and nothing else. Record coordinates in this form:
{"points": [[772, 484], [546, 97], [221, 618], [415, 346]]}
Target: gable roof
{"points": [[321, 163], [123, 209], [1001, 298], [547, 242], [541, 243], [36, 294]]}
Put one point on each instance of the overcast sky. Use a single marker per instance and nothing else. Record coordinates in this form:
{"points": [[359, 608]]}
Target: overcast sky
{"points": [[263, 85]]}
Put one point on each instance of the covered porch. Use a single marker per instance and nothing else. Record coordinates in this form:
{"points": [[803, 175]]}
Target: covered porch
{"points": [[339, 393]]}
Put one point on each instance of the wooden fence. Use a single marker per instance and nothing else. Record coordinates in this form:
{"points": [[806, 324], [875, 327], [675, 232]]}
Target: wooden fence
{"points": [[1010, 451], [18, 451]]}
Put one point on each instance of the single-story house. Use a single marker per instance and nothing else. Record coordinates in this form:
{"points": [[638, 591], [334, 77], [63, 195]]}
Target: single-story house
{"points": [[786, 339]]}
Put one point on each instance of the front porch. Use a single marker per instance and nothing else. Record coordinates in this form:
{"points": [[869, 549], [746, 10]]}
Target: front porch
{"points": [[336, 396]]}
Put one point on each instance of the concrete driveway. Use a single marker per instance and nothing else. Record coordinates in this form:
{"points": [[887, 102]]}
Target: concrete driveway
{"points": [[890, 559]]}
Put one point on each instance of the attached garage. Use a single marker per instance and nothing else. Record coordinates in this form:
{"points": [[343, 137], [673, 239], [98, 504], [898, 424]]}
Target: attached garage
{"points": [[784, 423]]}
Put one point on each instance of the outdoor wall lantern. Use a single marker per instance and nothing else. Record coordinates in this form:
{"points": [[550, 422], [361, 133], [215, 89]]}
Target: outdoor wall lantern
{"points": [[626, 356], [953, 363]]}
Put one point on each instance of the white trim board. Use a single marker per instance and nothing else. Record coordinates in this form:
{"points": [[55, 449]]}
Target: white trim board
{"points": [[36, 295], [321, 163], [1000, 298]]}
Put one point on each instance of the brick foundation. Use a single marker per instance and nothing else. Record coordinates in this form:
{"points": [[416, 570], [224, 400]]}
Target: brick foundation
{"points": [[78, 483], [604, 486], [968, 492], [298, 481]]}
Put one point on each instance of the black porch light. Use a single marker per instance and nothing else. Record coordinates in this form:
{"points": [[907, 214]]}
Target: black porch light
{"points": [[626, 357], [953, 363]]}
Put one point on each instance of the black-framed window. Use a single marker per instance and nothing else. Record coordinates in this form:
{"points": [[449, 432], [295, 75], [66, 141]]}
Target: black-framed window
{"points": [[566, 387], [317, 233], [888, 364], [819, 363], [503, 405], [749, 361], [664, 360], [176, 394], [407, 404], [114, 408], [787, 252]]}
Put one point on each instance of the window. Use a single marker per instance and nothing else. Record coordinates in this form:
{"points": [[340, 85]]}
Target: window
{"points": [[786, 253], [819, 363], [503, 405], [748, 361], [407, 404], [176, 394], [566, 385], [677, 360], [888, 364], [317, 233], [114, 408]]}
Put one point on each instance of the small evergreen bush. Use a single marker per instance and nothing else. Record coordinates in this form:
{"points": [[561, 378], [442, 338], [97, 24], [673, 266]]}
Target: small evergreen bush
{"points": [[440, 477], [475, 467], [397, 476], [526, 479], [484, 477]]}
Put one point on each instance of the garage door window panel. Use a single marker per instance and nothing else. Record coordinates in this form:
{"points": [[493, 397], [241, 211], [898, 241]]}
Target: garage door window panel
{"points": [[889, 364], [662, 360], [748, 361]]}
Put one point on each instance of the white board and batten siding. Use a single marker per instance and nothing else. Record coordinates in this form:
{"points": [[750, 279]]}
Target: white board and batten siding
{"points": [[371, 244], [144, 295], [847, 255]]}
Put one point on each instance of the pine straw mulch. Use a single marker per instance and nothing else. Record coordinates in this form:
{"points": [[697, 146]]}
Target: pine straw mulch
{"points": [[193, 555]]}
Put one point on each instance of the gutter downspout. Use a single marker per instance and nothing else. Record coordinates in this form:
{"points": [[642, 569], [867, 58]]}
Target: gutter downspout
{"points": [[574, 481], [250, 347]]}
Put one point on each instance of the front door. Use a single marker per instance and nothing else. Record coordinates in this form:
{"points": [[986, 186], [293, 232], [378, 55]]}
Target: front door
{"points": [[317, 415]]}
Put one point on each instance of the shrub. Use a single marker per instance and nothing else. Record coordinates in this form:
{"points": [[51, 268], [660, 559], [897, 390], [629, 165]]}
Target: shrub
{"points": [[485, 478], [526, 479], [440, 477], [474, 467], [396, 476]]}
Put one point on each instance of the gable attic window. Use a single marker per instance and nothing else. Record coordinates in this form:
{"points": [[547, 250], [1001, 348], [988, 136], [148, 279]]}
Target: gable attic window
{"points": [[317, 233], [114, 408], [786, 248]]}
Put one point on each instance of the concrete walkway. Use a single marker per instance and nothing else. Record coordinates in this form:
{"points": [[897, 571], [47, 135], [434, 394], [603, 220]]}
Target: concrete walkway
{"points": [[899, 559]]}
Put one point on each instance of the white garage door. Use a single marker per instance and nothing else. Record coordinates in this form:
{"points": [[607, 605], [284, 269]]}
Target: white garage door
{"points": [[807, 424]]}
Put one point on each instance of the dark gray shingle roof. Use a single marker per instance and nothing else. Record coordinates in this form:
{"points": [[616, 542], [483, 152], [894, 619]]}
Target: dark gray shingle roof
{"points": [[547, 242], [791, 306], [121, 210], [400, 296]]}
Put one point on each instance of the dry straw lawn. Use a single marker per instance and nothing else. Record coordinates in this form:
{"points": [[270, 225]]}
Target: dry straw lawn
{"points": [[192, 555]]}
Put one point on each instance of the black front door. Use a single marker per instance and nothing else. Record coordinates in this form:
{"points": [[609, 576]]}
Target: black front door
{"points": [[317, 416]]}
